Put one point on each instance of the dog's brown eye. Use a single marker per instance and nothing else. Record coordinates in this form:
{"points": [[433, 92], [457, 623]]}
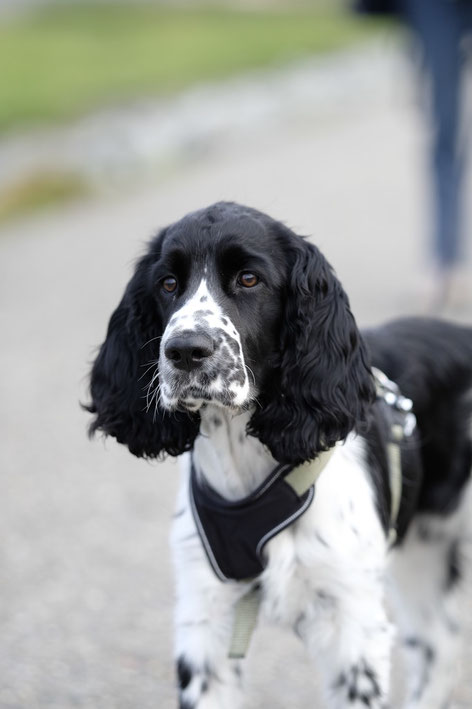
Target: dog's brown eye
{"points": [[169, 284], [248, 279]]}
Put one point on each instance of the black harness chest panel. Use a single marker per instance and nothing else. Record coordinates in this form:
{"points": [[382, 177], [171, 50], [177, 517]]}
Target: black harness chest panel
{"points": [[234, 533]]}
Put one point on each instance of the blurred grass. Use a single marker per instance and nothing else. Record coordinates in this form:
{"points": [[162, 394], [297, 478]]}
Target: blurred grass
{"points": [[60, 62], [40, 190]]}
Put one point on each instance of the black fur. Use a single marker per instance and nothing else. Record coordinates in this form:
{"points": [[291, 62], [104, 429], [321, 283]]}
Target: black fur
{"points": [[184, 673], [319, 386], [454, 566], [121, 373], [431, 361], [360, 684]]}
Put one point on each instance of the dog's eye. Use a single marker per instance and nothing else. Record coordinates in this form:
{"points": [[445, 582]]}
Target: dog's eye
{"points": [[248, 279], [169, 284]]}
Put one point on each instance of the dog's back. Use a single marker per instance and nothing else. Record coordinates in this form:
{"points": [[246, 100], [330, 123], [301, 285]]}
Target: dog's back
{"points": [[431, 361]]}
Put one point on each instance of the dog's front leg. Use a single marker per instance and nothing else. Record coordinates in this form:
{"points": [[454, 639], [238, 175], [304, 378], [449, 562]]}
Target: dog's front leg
{"points": [[359, 664], [349, 637], [207, 678], [352, 640], [325, 577]]}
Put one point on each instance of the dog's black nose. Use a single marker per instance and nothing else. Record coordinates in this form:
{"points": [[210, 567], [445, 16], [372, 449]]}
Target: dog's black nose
{"points": [[187, 352]]}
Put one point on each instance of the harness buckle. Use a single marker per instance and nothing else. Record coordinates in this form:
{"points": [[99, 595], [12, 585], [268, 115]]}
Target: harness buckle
{"points": [[390, 393], [402, 425]]}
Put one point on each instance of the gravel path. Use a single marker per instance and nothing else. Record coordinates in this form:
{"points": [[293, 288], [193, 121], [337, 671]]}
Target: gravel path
{"points": [[85, 578]]}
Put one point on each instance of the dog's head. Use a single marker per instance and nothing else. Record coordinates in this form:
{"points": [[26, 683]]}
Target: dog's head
{"points": [[232, 308]]}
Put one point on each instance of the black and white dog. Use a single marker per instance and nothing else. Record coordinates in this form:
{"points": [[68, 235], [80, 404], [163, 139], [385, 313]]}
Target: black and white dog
{"points": [[234, 344]]}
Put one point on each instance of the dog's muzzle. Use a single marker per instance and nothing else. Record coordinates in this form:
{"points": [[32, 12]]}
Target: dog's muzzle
{"points": [[198, 367]]}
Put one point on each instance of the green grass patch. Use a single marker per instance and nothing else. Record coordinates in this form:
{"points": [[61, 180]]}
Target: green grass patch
{"points": [[40, 190], [60, 62]]}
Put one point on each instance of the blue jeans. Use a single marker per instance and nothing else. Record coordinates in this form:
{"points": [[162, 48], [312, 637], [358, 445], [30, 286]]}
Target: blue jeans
{"points": [[440, 26]]}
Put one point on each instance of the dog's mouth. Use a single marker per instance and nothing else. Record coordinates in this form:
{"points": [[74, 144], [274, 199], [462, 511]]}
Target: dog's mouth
{"points": [[189, 392]]}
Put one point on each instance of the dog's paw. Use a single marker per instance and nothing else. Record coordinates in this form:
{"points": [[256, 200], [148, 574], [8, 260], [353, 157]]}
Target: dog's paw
{"points": [[360, 687], [204, 687]]}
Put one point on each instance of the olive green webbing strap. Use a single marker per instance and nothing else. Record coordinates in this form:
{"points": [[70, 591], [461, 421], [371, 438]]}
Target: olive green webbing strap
{"points": [[304, 476], [247, 607], [246, 611], [396, 481]]}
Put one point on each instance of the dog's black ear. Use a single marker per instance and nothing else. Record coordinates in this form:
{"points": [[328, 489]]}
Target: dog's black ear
{"points": [[123, 382], [320, 386]]}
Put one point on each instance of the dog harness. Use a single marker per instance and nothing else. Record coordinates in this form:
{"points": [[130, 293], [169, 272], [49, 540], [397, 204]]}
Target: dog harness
{"points": [[234, 534]]}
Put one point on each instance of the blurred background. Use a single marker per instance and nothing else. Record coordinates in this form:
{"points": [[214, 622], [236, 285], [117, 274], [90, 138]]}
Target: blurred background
{"points": [[117, 118]]}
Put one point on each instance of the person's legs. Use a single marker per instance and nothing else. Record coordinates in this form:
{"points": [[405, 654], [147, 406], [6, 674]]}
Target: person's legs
{"points": [[437, 23]]}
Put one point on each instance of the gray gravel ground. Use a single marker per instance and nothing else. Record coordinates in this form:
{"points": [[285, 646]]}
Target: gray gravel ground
{"points": [[85, 585]]}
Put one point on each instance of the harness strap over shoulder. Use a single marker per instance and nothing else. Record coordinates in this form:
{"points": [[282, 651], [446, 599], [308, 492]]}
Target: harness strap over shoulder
{"points": [[304, 476], [402, 424], [394, 455]]}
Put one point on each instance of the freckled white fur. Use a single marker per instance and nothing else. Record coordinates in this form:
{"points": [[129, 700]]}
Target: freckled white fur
{"points": [[233, 469], [213, 318], [327, 569]]}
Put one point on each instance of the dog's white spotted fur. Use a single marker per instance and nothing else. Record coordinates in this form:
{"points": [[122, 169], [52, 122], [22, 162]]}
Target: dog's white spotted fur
{"points": [[229, 383]]}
